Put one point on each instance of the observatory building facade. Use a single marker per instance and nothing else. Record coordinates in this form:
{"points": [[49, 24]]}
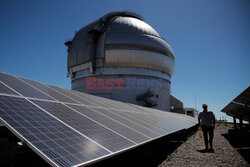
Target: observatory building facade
{"points": [[121, 57]]}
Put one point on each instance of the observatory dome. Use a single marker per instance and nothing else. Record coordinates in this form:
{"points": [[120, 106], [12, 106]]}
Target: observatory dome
{"points": [[119, 44], [129, 24], [123, 39]]}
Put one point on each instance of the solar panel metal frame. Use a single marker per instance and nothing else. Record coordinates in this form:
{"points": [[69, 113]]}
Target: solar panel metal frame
{"points": [[119, 106]]}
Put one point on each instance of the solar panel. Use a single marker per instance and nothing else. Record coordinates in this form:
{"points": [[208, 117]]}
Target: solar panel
{"points": [[50, 138], [69, 128], [239, 107], [244, 97]]}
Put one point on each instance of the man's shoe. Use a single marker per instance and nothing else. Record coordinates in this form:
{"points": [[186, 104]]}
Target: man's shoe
{"points": [[211, 150]]}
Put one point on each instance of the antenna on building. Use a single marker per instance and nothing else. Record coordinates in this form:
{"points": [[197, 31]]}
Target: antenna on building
{"points": [[195, 103]]}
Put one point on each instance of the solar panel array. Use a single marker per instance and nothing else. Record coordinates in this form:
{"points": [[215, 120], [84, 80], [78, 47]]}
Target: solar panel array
{"points": [[69, 128]]}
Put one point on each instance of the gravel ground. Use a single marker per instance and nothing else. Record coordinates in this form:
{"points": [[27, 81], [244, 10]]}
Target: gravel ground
{"points": [[189, 153]]}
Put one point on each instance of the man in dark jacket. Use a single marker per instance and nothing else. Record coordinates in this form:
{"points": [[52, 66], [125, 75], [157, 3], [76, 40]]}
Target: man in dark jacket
{"points": [[207, 121]]}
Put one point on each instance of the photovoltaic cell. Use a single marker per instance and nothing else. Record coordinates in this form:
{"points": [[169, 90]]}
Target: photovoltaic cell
{"points": [[93, 99], [69, 128], [86, 126], [176, 117], [50, 91], [72, 95], [116, 104], [6, 90], [140, 120], [134, 125], [22, 87], [97, 100], [51, 137], [129, 133]]}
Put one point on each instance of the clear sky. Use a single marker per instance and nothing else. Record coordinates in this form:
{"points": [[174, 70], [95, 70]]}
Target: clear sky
{"points": [[210, 40]]}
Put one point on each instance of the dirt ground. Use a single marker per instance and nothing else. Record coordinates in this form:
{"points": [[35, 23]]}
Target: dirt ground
{"points": [[191, 152]]}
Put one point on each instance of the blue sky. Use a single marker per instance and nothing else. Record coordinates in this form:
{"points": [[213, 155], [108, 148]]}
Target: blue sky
{"points": [[210, 40]]}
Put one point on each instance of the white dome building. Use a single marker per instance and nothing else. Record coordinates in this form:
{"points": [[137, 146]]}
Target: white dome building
{"points": [[121, 57]]}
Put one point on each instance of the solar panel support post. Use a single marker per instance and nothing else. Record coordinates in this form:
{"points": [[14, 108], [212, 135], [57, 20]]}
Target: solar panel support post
{"points": [[234, 119], [241, 124]]}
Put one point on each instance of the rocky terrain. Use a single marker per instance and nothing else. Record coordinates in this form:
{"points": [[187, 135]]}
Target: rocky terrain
{"points": [[191, 153]]}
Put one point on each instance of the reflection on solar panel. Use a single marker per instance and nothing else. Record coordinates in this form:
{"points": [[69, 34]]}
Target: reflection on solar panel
{"points": [[68, 128]]}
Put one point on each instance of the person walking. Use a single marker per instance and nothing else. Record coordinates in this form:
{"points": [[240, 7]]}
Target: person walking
{"points": [[206, 120]]}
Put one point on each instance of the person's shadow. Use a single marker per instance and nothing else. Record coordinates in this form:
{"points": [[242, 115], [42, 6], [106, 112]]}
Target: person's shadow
{"points": [[206, 151]]}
